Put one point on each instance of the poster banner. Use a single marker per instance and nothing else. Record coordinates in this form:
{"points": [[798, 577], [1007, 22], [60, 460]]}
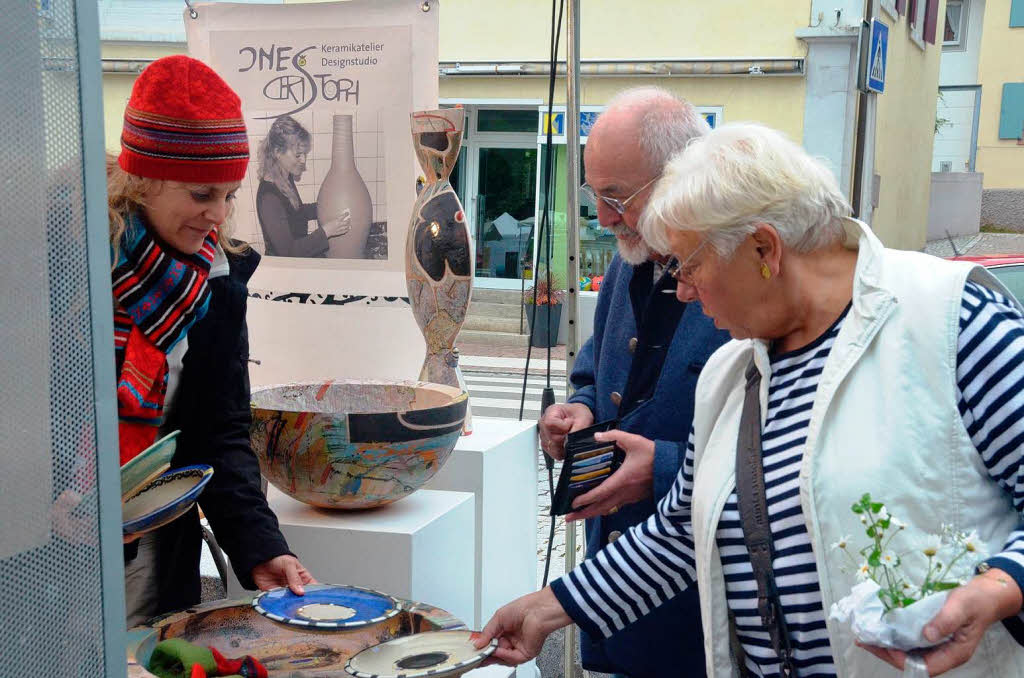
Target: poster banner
{"points": [[327, 89], [326, 93]]}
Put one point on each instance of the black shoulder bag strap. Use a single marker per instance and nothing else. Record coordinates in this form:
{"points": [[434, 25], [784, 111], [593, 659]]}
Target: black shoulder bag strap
{"points": [[757, 530]]}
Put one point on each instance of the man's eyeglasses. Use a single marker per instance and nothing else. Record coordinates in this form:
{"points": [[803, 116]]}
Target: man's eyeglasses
{"points": [[616, 204], [683, 270]]}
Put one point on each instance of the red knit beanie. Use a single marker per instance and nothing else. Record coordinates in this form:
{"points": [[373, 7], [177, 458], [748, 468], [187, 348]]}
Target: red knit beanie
{"points": [[184, 123]]}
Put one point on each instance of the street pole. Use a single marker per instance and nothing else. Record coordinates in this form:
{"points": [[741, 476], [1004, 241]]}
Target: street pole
{"points": [[572, 273]]}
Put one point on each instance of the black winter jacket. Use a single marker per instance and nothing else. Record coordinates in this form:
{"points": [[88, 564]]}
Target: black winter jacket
{"points": [[211, 408]]}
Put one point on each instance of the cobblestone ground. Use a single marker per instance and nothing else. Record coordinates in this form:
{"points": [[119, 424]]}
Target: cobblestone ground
{"points": [[544, 526]]}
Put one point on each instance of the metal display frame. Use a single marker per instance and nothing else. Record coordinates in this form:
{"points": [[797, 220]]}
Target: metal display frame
{"points": [[108, 480]]}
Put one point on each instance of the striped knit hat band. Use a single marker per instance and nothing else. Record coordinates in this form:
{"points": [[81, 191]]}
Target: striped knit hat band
{"points": [[184, 123]]}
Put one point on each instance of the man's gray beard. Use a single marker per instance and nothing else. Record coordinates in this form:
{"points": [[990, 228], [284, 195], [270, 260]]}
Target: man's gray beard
{"points": [[635, 253]]}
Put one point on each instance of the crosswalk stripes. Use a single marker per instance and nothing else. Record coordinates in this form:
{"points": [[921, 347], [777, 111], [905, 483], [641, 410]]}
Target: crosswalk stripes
{"points": [[497, 394]]}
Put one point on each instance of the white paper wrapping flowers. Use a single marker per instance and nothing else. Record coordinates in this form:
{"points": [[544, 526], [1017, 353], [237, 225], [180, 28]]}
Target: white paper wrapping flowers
{"points": [[899, 629]]}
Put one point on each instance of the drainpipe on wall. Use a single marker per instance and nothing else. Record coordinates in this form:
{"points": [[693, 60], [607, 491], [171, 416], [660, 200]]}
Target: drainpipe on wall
{"points": [[864, 150]]}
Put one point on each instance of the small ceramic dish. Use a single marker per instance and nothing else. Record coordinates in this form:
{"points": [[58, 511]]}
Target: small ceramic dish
{"points": [[325, 606], [147, 465], [165, 498], [434, 654]]}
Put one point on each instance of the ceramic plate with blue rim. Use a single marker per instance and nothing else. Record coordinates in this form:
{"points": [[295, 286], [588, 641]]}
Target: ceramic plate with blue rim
{"points": [[326, 606], [165, 498], [137, 472], [435, 654]]}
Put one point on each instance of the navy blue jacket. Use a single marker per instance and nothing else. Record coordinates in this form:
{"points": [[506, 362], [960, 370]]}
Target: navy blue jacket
{"points": [[668, 641]]}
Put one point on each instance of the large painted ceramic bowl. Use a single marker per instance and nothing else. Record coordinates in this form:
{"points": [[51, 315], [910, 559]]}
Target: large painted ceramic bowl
{"points": [[236, 629], [354, 444]]}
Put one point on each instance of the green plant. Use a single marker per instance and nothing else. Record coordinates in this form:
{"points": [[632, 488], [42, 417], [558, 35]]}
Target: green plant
{"points": [[950, 556], [941, 122], [546, 295]]}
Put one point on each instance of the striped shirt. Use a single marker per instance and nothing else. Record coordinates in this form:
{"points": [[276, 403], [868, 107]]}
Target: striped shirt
{"points": [[655, 560]]}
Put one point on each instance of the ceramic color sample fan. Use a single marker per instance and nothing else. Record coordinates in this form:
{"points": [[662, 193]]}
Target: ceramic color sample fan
{"points": [[327, 607], [434, 654]]}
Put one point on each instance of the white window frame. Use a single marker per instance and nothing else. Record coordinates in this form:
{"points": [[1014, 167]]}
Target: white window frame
{"points": [[890, 7], [960, 45], [916, 23]]}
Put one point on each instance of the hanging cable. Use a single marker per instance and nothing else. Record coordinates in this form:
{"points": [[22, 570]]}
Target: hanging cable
{"points": [[544, 232], [544, 235]]}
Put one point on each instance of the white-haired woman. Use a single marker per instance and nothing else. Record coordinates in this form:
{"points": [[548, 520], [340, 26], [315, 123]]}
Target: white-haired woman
{"points": [[870, 370]]}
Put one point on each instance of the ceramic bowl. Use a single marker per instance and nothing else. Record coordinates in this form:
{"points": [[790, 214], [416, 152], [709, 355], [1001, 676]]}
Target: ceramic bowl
{"points": [[165, 498], [434, 654], [325, 606], [147, 465], [236, 629], [354, 444]]}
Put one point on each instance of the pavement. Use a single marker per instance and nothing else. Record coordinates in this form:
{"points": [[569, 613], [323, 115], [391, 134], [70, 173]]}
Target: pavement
{"points": [[979, 244]]}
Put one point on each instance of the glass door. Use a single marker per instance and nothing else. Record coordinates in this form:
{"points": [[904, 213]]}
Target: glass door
{"points": [[503, 210]]}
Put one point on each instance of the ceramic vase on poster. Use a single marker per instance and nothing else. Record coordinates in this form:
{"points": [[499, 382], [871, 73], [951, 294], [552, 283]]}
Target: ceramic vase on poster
{"points": [[343, 188], [438, 249]]}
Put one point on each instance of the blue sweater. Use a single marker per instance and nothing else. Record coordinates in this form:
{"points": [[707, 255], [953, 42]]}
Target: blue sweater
{"points": [[668, 641]]}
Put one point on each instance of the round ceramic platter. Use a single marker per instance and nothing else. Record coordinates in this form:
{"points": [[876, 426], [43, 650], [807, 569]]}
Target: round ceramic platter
{"points": [[434, 654], [327, 607], [165, 498], [147, 465]]}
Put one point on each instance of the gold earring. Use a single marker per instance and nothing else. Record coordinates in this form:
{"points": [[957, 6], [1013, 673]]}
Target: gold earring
{"points": [[766, 272]]}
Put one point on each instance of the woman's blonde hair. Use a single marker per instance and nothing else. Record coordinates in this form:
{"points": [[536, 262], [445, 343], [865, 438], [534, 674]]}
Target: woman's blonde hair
{"points": [[284, 134], [125, 194]]}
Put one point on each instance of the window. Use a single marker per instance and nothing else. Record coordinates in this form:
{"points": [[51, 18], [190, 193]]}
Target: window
{"points": [[915, 20], [506, 120], [1011, 115], [1017, 14], [954, 34], [890, 7]]}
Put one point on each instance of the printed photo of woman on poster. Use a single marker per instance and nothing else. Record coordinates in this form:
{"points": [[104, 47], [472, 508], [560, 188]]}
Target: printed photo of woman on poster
{"points": [[284, 218]]}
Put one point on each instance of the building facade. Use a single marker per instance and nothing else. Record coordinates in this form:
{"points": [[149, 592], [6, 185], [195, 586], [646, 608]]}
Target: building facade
{"points": [[789, 64], [980, 117]]}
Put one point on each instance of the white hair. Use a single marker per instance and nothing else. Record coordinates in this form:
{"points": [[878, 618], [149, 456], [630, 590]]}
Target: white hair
{"points": [[739, 175], [665, 122]]}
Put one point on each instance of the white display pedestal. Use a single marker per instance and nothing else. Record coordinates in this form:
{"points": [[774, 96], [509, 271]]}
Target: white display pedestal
{"points": [[420, 548], [498, 463]]}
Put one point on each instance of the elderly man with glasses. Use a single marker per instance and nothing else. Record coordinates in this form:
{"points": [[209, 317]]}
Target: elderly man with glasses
{"points": [[640, 367]]}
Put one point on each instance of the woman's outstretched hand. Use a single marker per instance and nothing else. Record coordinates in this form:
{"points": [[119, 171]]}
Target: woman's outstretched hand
{"points": [[283, 570], [339, 225], [522, 626], [967, 614]]}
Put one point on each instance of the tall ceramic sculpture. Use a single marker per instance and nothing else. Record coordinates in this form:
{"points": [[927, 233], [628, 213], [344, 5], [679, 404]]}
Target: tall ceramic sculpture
{"points": [[343, 188], [438, 250]]}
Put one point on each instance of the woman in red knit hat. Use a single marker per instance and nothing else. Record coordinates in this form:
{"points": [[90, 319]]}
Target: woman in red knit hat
{"points": [[180, 338]]}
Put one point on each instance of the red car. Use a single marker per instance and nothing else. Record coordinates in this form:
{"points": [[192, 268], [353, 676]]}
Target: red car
{"points": [[1008, 268]]}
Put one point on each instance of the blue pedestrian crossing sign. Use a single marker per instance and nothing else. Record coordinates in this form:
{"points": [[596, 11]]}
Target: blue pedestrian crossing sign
{"points": [[877, 55]]}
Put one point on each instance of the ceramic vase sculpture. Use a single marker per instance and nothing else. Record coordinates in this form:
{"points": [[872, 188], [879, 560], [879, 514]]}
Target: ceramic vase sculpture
{"points": [[354, 444], [344, 189], [438, 249]]}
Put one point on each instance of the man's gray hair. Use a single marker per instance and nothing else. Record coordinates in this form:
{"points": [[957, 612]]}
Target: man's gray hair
{"points": [[739, 175], [666, 123]]}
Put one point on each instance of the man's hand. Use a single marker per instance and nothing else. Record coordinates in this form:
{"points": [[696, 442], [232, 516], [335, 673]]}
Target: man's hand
{"points": [[633, 481], [560, 420], [967, 614], [521, 627], [283, 570]]}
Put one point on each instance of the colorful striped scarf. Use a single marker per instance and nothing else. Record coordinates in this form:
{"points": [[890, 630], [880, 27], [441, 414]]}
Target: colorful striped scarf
{"points": [[158, 297]]}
